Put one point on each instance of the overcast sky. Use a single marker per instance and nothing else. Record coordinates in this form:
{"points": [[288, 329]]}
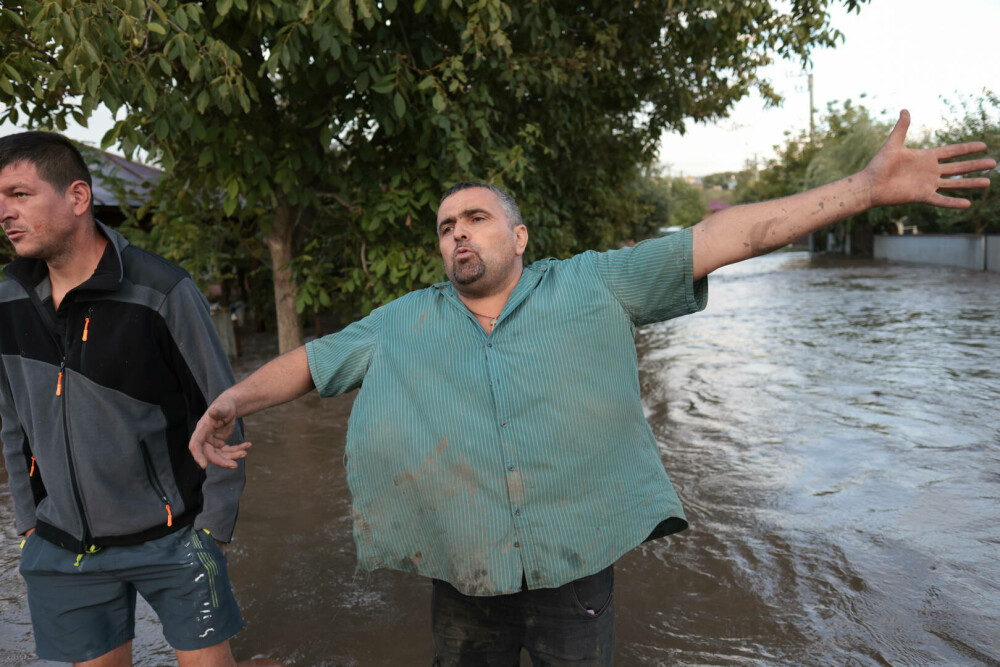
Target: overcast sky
{"points": [[901, 53]]}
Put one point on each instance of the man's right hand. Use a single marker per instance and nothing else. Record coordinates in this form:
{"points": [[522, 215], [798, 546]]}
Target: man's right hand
{"points": [[208, 442]]}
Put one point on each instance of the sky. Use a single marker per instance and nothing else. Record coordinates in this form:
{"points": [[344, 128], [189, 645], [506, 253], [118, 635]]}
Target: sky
{"points": [[899, 53]]}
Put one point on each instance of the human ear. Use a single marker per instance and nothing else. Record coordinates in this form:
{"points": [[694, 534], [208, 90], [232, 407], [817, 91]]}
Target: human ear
{"points": [[80, 195], [521, 232]]}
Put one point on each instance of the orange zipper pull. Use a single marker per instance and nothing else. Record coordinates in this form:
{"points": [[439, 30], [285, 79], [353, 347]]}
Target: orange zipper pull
{"points": [[31, 473], [170, 516], [59, 385], [85, 327]]}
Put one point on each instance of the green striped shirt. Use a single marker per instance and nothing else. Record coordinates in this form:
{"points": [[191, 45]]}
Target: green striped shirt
{"points": [[479, 459]]}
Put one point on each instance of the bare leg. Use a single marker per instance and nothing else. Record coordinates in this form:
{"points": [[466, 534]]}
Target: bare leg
{"points": [[117, 657], [219, 655]]}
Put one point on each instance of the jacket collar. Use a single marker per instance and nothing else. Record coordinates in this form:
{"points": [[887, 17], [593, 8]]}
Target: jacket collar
{"points": [[30, 273]]}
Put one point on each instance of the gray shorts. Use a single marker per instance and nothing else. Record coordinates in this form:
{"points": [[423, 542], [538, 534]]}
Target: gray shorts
{"points": [[83, 607]]}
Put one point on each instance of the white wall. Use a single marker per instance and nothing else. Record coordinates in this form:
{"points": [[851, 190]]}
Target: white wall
{"points": [[993, 253], [967, 251]]}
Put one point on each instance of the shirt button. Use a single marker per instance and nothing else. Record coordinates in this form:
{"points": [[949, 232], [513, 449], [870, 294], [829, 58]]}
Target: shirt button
{"points": [[517, 545], [489, 344], [511, 467], [503, 425], [517, 512]]}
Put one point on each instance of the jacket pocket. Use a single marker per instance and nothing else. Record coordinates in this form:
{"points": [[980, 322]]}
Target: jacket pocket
{"points": [[154, 481]]}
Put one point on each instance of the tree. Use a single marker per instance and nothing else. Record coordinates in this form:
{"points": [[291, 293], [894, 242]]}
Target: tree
{"points": [[721, 179], [782, 175], [846, 138], [333, 125], [687, 203], [976, 119]]}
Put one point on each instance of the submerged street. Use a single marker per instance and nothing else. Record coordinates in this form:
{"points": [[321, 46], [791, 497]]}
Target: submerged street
{"points": [[832, 426]]}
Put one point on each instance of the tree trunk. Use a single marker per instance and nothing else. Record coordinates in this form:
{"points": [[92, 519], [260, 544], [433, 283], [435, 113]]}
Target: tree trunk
{"points": [[279, 242]]}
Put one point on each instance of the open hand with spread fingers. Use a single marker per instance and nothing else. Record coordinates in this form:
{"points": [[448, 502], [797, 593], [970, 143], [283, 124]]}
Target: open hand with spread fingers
{"points": [[900, 175]]}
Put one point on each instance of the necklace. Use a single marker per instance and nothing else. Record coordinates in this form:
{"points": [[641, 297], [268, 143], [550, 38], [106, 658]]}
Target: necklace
{"points": [[492, 320]]}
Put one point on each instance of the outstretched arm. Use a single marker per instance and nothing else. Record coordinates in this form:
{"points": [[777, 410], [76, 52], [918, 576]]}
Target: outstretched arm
{"points": [[896, 175], [278, 381]]}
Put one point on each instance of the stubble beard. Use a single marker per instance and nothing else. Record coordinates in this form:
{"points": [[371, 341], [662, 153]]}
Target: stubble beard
{"points": [[468, 271]]}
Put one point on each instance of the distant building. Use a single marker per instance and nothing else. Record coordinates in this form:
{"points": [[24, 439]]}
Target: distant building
{"points": [[118, 183]]}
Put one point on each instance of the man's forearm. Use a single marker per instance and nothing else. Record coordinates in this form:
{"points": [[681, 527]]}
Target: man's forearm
{"points": [[278, 381], [741, 232]]}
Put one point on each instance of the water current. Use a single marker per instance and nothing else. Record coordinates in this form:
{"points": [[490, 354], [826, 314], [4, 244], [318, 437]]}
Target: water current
{"points": [[832, 426]]}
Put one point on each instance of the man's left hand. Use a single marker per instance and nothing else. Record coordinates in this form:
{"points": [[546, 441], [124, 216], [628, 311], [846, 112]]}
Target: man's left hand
{"points": [[899, 175]]}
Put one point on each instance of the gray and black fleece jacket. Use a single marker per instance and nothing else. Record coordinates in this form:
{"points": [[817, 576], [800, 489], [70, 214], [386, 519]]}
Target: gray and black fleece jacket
{"points": [[99, 398]]}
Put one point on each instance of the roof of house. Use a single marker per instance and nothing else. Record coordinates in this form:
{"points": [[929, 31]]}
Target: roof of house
{"points": [[113, 176]]}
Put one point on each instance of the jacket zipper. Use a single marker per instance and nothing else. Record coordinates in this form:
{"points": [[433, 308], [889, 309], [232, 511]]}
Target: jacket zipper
{"points": [[155, 481], [83, 338], [60, 391], [63, 347]]}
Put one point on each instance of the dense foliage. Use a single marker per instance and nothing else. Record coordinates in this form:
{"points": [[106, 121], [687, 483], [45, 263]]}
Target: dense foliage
{"points": [[315, 136], [848, 136]]}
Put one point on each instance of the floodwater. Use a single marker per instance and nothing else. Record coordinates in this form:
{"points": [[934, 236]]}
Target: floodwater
{"points": [[832, 425]]}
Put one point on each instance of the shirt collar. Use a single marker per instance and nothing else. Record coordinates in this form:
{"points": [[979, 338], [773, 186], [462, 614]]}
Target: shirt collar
{"points": [[530, 277]]}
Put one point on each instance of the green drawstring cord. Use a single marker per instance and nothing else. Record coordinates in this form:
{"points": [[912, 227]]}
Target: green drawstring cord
{"points": [[90, 550]]}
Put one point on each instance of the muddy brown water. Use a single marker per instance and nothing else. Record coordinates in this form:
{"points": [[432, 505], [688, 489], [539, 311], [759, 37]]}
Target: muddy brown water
{"points": [[832, 425]]}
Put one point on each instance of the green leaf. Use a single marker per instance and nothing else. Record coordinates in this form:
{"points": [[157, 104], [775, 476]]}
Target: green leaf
{"points": [[418, 6], [223, 6], [426, 82], [162, 15], [94, 82], [67, 27], [399, 105], [13, 73], [342, 10], [386, 84], [14, 16], [157, 28]]}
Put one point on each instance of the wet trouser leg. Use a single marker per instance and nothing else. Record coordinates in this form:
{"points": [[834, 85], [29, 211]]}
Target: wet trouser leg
{"points": [[569, 625]]}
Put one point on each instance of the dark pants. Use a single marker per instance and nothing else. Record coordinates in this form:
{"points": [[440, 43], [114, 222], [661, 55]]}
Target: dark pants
{"points": [[570, 625]]}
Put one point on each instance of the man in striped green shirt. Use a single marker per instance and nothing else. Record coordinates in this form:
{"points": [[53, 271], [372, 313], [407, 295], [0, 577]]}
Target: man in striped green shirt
{"points": [[498, 444]]}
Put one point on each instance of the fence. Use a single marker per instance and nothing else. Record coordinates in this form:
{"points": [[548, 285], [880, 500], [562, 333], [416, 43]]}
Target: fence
{"points": [[975, 252]]}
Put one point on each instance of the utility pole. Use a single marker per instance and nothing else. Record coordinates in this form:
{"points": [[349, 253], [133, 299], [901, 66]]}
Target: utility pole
{"points": [[812, 110], [670, 203]]}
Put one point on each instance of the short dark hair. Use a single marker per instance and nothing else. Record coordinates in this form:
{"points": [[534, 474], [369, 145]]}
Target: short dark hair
{"points": [[57, 160], [507, 201]]}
